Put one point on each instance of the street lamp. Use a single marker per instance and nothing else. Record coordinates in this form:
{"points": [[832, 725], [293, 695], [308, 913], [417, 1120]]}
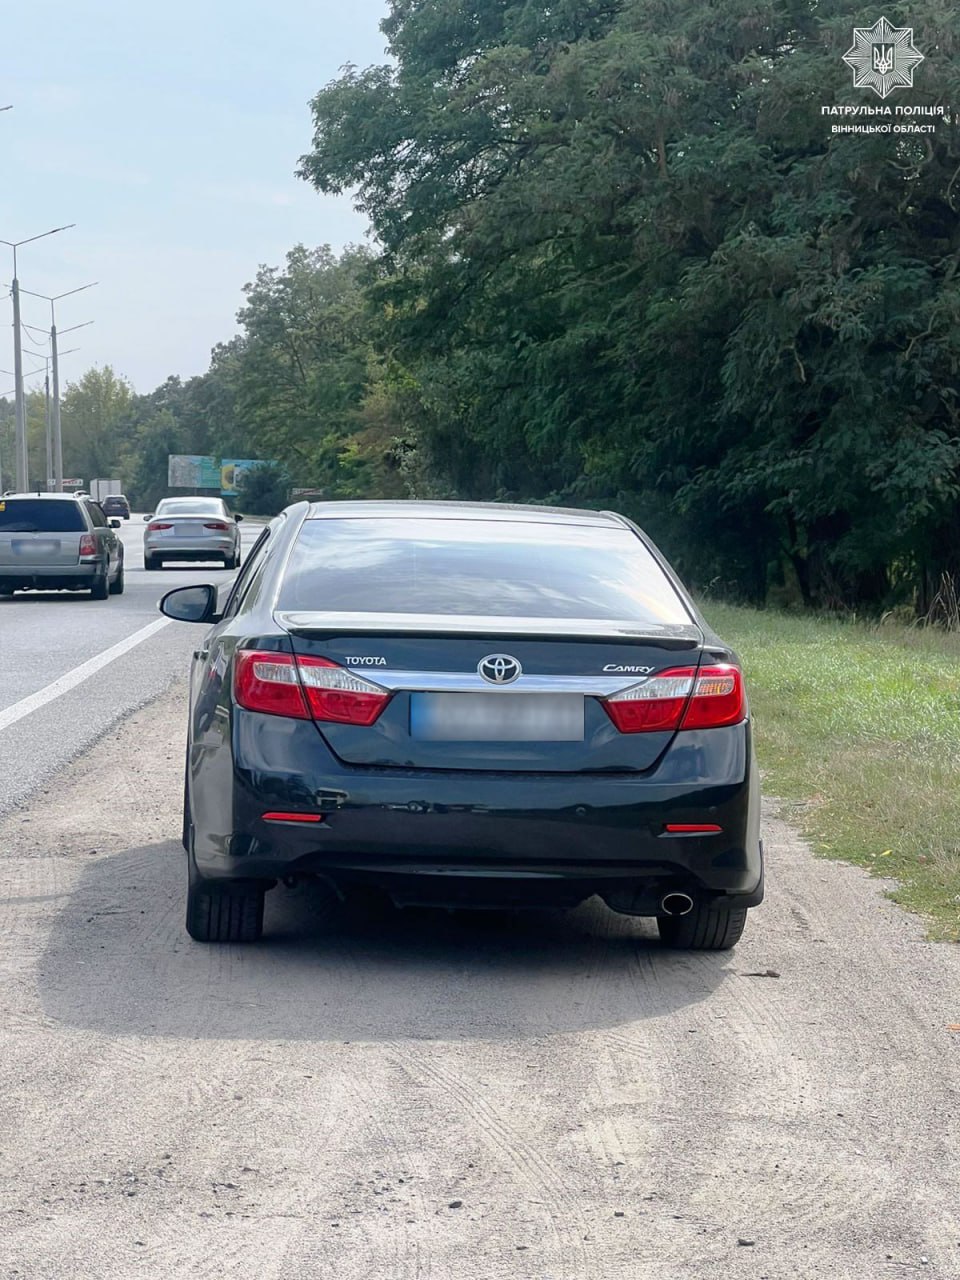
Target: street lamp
{"points": [[47, 418], [57, 437], [22, 476], [3, 395]]}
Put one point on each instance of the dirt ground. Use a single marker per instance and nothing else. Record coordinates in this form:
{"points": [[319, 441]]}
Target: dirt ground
{"points": [[454, 1097]]}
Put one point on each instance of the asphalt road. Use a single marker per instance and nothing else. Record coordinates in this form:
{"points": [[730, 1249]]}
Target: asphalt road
{"points": [[45, 637], [429, 1097]]}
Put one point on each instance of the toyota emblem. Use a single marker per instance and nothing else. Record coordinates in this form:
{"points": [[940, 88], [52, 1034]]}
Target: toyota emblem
{"points": [[500, 668]]}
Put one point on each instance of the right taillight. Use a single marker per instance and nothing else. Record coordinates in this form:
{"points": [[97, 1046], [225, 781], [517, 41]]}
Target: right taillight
{"points": [[681, 698], [305, 688], [88, 544]]}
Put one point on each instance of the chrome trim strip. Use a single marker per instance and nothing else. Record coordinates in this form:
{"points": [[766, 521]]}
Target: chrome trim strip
{"points": [[472, 682]]}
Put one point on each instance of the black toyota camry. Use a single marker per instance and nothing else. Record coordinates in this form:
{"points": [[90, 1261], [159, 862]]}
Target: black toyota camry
{"points": [[466, 704]]}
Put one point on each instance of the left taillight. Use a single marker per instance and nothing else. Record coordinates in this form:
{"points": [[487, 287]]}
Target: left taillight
{"points": [[268, 682], [305, 688], [336, 694], [682, 698]]}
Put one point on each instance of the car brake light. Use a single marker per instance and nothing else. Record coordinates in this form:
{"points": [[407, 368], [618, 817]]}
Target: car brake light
{"points": [[88, 544], [304, 688], [336, 694], [158, 525], [268, 682], [215, 524], [682, 698]]}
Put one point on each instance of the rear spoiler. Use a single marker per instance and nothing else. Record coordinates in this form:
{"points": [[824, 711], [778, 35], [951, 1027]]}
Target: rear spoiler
{"points": [[665, 635]]}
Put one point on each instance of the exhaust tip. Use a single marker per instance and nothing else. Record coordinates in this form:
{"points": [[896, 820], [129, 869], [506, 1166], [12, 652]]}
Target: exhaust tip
{"points": [[676, 904]]}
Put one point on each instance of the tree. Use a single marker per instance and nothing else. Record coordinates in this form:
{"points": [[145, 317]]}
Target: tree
{"points": [[92, 413], [625, 259]]}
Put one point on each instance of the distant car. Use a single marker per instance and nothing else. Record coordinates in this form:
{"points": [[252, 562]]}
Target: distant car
{"points": [[191, 529], [116, 504], [52, 541], [466, 704]]}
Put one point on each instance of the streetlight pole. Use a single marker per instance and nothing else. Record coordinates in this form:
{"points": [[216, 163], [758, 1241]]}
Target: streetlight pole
{"points": [[23, 477], [48, 415], [30, 373], [57, 435]]}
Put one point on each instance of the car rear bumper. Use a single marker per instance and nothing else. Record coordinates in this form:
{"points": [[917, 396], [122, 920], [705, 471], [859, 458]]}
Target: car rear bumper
{"points": [[188, 549], [51, 577], [596, 832]]}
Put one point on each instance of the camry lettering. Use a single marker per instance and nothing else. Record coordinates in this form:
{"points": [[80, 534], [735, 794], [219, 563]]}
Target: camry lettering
{"points": [[616, 666]]}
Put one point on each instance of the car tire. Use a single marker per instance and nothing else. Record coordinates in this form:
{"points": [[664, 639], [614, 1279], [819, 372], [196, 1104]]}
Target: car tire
{"points": [[710, 926], [116, 586], [151, 562], [224, 910], [100, 588]]}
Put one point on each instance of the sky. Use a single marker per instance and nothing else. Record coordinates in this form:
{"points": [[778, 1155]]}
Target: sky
{"points": [[169, 133]]}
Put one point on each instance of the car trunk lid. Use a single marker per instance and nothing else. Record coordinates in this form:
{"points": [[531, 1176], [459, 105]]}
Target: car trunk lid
{"points": [[443, 713]]}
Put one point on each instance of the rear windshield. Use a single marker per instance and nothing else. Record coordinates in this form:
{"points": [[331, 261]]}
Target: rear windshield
{"points": [[190, 506], [501, 569], [34, 515]]}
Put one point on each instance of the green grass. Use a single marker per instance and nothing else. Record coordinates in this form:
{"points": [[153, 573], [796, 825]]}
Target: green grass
{"points": [[858, 732]]}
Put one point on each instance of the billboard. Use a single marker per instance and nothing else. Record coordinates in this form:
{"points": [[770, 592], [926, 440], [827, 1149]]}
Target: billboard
{"points": [[231, 469], [192, 471], [200, 471]]}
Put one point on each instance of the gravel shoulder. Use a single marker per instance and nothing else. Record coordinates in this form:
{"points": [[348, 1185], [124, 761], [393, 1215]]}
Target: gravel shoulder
{"points": [[426, 1096]]}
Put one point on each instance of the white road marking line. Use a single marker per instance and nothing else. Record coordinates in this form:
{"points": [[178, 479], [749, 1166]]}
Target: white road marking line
{"points": [[77, 676]]}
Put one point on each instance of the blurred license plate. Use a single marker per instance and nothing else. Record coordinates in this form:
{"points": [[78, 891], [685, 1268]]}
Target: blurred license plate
{"points": [[32, 547], [496, 717]]}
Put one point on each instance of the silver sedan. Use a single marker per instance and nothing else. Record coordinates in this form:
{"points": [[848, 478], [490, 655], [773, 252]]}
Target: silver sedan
{"points": [[191, 529]]}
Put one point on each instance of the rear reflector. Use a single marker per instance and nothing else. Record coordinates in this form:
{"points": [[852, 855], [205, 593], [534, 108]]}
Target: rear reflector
{"points": [[293, 817], [681, 698], [305, 688], [692, 828]]}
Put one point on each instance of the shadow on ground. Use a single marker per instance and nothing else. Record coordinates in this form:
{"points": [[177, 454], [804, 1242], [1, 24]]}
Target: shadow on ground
{"points": [[118, 962]]}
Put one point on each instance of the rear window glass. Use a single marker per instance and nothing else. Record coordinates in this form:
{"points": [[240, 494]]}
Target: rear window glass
{"points": [[191, 506], [33, 515], [502, 568]]}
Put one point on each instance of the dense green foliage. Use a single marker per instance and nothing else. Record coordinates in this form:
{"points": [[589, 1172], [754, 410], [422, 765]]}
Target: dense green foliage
{"points": [[626, 262], [621, 261]]}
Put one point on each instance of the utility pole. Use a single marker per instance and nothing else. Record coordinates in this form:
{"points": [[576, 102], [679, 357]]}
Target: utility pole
{"points": [[23, 476]]}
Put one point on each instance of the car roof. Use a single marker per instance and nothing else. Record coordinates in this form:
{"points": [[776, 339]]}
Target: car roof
{"points": [[47, 497], [442, 510]]}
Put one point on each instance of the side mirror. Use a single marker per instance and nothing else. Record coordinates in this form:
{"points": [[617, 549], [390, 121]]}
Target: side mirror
{"points": [[115, 524], [238, 517], [147, 519], [191, 604]]}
